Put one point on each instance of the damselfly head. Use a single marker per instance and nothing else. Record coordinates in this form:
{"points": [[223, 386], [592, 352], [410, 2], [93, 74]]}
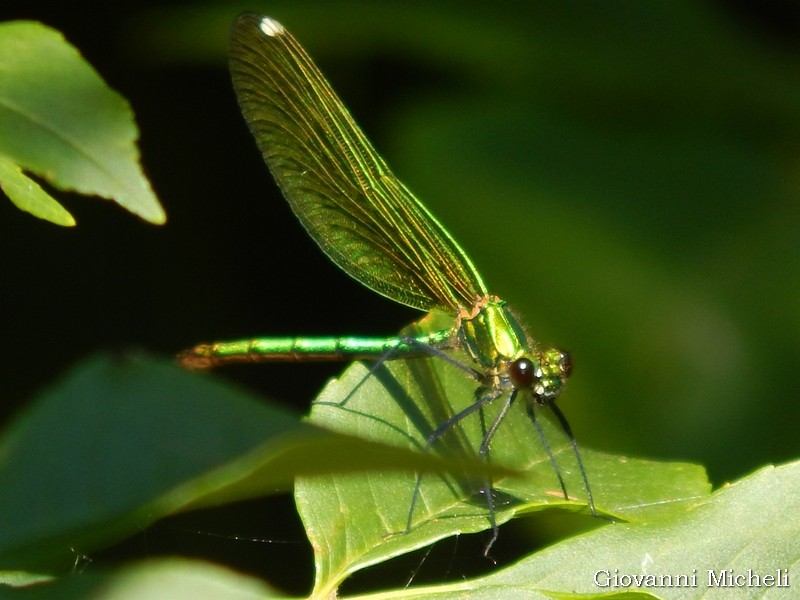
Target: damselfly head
{"points": [[544, 374]]}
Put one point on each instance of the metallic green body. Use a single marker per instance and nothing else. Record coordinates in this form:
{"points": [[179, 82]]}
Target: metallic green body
{"points": [[300, 349], [493, 335]]}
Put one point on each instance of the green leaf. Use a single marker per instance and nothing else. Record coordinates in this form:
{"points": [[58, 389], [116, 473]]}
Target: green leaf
{"points": [[748, 527], [29, 196], [359, 519], [120, 443], [60, 121], [172, 579]]}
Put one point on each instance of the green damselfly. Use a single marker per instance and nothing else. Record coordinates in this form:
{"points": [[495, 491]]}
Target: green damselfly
{"points": [[379, 233]]}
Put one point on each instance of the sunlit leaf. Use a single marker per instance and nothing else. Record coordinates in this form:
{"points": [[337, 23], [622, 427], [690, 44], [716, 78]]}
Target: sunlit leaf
{"points": [[61, 122], [359, 519]]}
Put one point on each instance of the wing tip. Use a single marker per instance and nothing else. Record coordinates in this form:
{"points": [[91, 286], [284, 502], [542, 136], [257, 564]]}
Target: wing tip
{"points": [[271, 27]]}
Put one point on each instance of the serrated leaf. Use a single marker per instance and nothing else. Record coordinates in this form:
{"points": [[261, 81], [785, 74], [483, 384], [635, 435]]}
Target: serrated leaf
{"points": [[60, 121], [359, 519]]}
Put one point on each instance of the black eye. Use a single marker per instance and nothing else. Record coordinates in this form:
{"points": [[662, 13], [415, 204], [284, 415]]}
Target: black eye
{"points": [[521, 372], [566, 363]]}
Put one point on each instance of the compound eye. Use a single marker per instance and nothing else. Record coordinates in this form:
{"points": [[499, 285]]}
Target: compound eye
{"points": [[566, 364], [522, 373]]}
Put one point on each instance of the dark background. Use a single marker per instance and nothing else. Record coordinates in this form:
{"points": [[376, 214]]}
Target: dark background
{"points": [[625, 174]]}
